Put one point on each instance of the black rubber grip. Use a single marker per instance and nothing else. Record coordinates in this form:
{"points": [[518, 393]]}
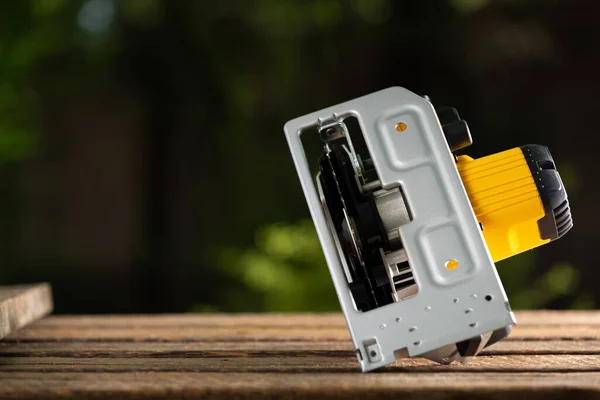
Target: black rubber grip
{"points": [[558, 219]]}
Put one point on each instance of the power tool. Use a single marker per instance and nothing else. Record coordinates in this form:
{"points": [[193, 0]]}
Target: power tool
{"points": [[410, 231]]}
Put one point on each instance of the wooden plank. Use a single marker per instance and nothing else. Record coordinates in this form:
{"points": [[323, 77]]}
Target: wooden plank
{"points": [[558, 317], [272, 385], [291, 320], [23, 304], [299, 362], [83, 349], [284, 356], [245, 332]]}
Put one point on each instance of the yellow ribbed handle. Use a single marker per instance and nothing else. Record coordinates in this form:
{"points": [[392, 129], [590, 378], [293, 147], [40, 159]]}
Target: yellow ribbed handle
{"points": [[505, 200]]}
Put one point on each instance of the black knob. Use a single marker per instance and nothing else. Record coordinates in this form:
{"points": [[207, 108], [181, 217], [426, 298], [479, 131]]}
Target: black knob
{"points": [[457, 135], [447, 115]]}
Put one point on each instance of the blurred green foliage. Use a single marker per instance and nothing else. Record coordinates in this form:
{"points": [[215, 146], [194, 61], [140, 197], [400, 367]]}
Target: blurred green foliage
{"points": [[29, 38], [287, 271], [243, 68]]}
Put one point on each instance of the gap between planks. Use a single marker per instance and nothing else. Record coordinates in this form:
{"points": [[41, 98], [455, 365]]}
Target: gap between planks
{"points": [[257, 349], [246, 333], [316, 320], [514, 363]]}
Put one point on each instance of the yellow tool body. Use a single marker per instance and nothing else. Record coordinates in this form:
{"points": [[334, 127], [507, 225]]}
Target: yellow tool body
{"points": [[507, 200]]}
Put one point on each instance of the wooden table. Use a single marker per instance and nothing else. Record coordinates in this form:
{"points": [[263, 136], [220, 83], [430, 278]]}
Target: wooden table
{"points": [[549, 355]]}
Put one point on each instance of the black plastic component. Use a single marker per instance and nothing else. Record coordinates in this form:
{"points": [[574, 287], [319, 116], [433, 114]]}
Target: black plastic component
{"points": [[361, 295], [457, 135], [447, 115], [498, 335], [455, 129], [469, 347], [358, 226], [557, 220]]}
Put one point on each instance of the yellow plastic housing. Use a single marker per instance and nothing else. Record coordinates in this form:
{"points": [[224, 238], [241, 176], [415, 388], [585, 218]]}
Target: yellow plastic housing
{"points": [[505, 200]]}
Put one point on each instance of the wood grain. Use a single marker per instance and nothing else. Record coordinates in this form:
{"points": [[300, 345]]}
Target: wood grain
{"points": [[277, 385], [335, 320], [549, 355], [113, 349], [257, 332], [23, 304], [323, 362]]}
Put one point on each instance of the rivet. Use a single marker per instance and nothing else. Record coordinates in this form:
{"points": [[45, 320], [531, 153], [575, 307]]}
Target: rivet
{"points": [[451, 264], [401, 127]]}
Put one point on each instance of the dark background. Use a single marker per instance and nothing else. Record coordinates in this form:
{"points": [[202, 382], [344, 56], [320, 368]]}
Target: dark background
{"points": [[143, 166]]}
